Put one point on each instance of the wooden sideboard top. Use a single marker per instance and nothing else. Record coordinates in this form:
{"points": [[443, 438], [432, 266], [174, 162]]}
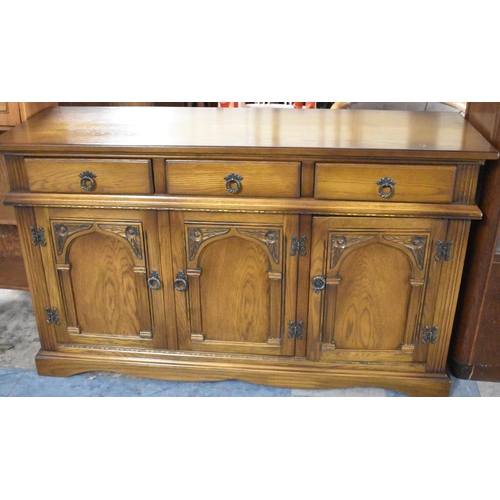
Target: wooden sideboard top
{"points": [[151, 130]]}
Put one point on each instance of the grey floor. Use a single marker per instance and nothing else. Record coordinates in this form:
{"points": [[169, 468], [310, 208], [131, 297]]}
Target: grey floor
{"points": [[18, 376]]}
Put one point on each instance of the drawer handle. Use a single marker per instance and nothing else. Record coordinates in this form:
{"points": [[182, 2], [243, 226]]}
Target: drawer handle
{"points": [[154, 282], [180, 283], [233, 184], [87, 180], [385, 184]]}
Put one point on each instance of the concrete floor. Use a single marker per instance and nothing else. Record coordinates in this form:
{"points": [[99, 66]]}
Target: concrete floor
{"points": [[18, 375]]}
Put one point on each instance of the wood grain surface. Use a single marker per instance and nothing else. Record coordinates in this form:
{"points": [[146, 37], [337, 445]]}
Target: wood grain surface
{"points": [[372, 299], [256, 130], [260, 179], [235, 292], [104, 289], [9, 114], [420, 184], [52, 175], [248, 287]]}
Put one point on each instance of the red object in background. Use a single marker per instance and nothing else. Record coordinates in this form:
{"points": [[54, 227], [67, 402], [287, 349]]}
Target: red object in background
{"points": [[296, 105], [300, 105]]}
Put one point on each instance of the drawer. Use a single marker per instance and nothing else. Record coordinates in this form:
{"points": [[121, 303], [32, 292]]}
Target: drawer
{"points": [[234, 178], [404, 183], [50, 175]]}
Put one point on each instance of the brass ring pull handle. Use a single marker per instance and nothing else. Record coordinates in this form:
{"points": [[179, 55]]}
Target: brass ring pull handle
{"points": [[318, 283], [386, 184], [233, 184], [180, 283], [87, 180], [154, 282]]}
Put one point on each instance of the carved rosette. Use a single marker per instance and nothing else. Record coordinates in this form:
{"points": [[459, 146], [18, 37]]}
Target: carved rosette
{"points": [[270, 238], [197, 236], [63, 231], [340, 243], [131, 234], [415, 244]]}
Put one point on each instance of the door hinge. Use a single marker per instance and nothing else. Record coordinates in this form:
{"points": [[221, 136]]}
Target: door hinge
{"points": [[299, 245], [52, 316], [38, 236], [443, 250], [430, 335], [295, 330]]}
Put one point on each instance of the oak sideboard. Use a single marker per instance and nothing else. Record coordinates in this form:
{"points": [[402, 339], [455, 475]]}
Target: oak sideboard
{"points": [[12, 272], [297, 248]]}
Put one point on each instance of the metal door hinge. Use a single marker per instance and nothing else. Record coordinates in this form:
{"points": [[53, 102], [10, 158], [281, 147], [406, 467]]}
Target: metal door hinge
{"points": [[295, 330], [299, 245], [430, 335], [52, 316], [443, 250], [38, 236]]}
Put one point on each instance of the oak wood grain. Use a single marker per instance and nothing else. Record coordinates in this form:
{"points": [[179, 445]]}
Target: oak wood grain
{"points": [[304, 262], [235, 292], [248, 130], [9, 242], [9, 114], [293, 375], [6, 213], [419, 184], [52, 175], [375, 288], [207, 178], [446, 303], [102, 273], [238, 297], [29, 109], [36, 278], [247, 205], [372, 299], [13, 273], [244, 284]]}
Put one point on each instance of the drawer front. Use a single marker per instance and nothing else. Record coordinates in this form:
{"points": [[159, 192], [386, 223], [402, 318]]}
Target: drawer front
{"points": [[404, 183], [49, 175], [233, 178]]}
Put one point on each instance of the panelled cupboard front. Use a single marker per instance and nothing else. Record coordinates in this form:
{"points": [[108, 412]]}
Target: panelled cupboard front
{"points": [[298, 267]]}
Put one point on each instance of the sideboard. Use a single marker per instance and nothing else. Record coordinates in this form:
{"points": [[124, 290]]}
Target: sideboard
{"points": [[298, 248], [12, 272]]}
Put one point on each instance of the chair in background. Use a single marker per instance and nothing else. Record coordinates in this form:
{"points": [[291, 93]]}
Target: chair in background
{"points": [[458, 107]]}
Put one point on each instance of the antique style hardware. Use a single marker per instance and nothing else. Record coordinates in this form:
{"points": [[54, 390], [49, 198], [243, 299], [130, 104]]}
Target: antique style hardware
{"points": [[38, 236], [318, 283], [154, 282], [295, 330], [180, 283], [386, 184], [443, 250], [430, 335], [87, 180], [233, 184], [299, 246], [52, 316]]}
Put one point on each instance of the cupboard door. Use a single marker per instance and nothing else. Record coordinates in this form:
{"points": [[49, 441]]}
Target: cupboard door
{"points": [[9, 114], [373, 289], [103, 276], [236, 283]]}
